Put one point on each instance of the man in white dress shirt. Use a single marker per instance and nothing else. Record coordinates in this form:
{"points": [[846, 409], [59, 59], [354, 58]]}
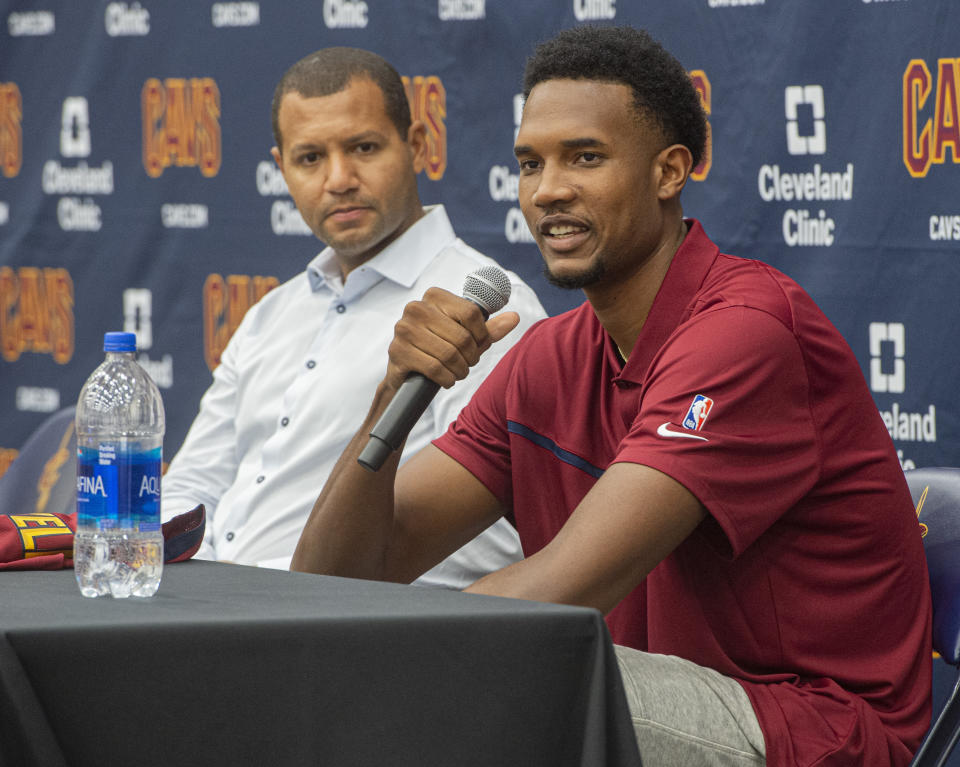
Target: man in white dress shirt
{"points": [[302, 367]]}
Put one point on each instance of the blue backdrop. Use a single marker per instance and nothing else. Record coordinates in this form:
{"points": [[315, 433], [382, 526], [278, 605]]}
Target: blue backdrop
{"points": [[137, 190]]}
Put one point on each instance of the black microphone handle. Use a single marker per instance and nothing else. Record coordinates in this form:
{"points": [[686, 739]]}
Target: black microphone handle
{"points": [[408, 404]]}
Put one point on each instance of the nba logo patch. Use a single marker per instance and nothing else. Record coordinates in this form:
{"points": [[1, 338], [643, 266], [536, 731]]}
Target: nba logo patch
{"points": [[697, 414]]}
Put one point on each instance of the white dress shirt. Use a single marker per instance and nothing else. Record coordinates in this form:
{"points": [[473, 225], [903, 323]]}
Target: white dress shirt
{"points": [[295, 382]]}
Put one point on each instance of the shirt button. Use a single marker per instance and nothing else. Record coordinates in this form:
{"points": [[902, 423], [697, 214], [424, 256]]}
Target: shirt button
{"points": [[311, 364], [260, 479], [284, 421], [229, 536], [341, 308]]}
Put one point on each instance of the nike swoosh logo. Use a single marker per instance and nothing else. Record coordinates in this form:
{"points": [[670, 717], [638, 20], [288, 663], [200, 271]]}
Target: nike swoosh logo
{"points": [[664, 430]]}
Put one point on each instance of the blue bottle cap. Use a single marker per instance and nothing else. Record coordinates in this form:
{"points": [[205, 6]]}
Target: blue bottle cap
{"points": [[119, 342]]}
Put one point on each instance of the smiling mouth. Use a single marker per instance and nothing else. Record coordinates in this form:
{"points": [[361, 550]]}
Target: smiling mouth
{"points": [[559, 227], [563, 230]]}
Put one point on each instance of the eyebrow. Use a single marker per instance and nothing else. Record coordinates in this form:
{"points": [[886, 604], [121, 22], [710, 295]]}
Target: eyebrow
{"points": [[570, 143], [370, 135], [357, 138], [304, 147]]}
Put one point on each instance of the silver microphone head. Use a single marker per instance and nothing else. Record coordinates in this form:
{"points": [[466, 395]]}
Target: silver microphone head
{"points": [[488, 288]]}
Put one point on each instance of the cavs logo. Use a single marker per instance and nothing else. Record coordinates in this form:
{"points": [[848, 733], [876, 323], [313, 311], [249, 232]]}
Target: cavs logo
{"points": [[43, 534], [702, 83], [926, 141], [36, 313], [11, 134], [7, 456], [428, 102], [224, 304], [923, 497], [181, 125], [53, 469]]}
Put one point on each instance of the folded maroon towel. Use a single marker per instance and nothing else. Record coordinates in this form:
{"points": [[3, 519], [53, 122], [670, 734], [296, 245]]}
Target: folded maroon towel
{"points": [[44, 541]]}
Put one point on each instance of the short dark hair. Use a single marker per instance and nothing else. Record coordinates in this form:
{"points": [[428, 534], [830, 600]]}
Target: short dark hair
{"points": [[662, 88], [329, 70]]}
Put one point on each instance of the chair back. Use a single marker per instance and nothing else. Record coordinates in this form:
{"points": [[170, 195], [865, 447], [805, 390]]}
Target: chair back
{"points": [[936, 493], [43, 476]]}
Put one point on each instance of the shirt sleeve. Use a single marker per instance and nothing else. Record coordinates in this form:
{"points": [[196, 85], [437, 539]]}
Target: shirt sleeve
{"points": [[206, 464], [478, 439], [755, 452]]}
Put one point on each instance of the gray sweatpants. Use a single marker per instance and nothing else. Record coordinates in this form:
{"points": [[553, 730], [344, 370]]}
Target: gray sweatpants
{"points": [[685, 715]]}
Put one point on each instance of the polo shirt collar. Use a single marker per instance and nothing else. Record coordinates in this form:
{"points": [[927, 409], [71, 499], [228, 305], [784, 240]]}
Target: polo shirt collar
{"points": [[683, 280], [401, 262]]}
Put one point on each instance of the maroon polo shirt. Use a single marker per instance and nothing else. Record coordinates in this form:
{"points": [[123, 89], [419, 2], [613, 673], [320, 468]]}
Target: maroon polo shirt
{"points": [[807, 580]]}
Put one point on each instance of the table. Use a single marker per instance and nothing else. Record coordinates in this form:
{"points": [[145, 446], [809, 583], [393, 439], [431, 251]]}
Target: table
{"points": [[233, 665]]}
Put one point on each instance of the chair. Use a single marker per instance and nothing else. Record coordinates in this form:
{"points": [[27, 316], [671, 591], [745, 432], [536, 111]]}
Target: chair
{"points": [[43, 476], [936, 492]]}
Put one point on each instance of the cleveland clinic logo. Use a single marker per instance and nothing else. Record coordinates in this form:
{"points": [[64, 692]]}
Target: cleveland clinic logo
{"points": [[126, 20], [888, 375], [345, 14], [76, 212], [504, 187], [892, 375], [138, 319], [801, 140], [805, 124], [594, 10]]}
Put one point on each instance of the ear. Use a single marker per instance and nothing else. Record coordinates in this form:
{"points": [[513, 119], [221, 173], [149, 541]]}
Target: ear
{"points": [[277, 158], [673, 166], [417, 141]]}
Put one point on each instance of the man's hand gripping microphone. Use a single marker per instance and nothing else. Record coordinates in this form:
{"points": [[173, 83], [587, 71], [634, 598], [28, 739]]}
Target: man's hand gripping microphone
{"points": [[488, 288]]}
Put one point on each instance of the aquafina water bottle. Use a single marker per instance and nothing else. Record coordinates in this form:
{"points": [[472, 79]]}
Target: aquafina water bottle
{"points": [[118, 546]]}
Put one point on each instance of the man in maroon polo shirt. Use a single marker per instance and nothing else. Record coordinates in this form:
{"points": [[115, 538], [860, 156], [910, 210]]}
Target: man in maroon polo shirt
{"points": [[692, 451]]}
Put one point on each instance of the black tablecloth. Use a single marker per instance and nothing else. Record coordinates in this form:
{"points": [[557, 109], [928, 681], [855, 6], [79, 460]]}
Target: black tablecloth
{"points": [[235, 665]]}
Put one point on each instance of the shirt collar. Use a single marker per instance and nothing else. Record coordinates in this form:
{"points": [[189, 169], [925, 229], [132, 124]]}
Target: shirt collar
{"points": [[401, 262], [672, 305]]}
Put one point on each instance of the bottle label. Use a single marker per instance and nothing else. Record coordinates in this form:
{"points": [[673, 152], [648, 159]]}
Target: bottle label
{"points": [[118, 489]]}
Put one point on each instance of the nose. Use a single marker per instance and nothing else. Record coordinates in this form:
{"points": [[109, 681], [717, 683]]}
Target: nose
{"points": [[341, 174], [552, 187]]}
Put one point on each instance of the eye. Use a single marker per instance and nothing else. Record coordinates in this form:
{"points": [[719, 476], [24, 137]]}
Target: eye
{"points": [[309, 158], [528, 166], [365, 148], [589, 158]]}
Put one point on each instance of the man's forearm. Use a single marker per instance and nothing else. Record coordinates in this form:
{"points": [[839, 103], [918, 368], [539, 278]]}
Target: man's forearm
{"points": [[349, 529]]}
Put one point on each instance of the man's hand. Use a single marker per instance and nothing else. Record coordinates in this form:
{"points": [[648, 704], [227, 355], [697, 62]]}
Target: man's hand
{"points": [[442, 336]]}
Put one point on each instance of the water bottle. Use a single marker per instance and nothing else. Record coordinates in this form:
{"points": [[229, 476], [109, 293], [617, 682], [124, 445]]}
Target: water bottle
{"points": [[118, 546]]}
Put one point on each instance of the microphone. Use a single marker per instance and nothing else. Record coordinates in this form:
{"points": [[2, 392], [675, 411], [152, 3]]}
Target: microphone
{"points": [[488, 288]]}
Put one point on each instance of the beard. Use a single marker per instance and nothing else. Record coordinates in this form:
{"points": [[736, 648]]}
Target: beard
{"points": [[590, 276]]}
